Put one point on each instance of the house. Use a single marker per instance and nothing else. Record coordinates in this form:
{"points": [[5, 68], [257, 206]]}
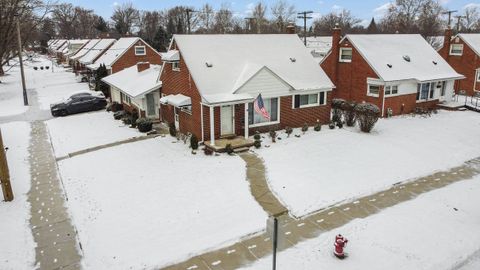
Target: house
{"points": [[127, 52], [56, 45], [137, 88], [209, 84], [95, 52], [397, 72], [73, 47], [463, 53], [319, 46], [73, 60]]}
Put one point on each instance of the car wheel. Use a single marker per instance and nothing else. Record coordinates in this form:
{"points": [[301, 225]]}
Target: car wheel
{"points": [[63, 113]]}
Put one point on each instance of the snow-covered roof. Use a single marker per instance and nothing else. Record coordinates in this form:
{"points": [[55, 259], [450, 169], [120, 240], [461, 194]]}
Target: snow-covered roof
{"points": [[96, 51], [134, 83], [90, 44], [221, 64], [320, 44], [59, 44], [397, 57], [171, 56], [114, 52], [177, 100], [62, 47], [473, 41]]}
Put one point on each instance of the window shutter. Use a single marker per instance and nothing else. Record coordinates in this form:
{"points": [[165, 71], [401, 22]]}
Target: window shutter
{"points": [[296, 101]]}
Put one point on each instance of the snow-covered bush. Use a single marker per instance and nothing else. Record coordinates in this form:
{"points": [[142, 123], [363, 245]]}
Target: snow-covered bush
{"points": [[194, 142], [207, 151], [273, 135], [331, 125], [305, 128], [317, 126], [257, 144], [340, 124], [337, 104], [257, 136], [229, 149], [367, 115], [348, 110], [144, 124], [289, 131]]}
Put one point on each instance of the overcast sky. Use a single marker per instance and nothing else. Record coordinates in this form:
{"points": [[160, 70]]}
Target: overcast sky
{"points": [[363, 9]]}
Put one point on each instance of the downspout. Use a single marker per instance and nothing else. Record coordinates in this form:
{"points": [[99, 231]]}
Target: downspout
{"points": [[475, 80], [201, 122], [383, 101]]}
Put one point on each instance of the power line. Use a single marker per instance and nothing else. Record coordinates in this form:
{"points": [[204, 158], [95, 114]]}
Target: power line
{"points": [[304, 16], [449, 12]]}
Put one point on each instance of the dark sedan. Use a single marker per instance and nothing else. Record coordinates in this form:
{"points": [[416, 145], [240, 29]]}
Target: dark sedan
{"points": [[78, 104]]}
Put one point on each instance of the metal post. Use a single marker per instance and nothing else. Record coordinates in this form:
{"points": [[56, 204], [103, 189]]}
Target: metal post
{"points": [[275, 236], [304, 17], [246, 120], [25, 98]]}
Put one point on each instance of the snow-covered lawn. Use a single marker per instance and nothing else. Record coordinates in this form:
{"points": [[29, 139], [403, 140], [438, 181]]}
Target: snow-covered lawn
{"points": [[82, 131], [424, 233], [150, 203], [323, 168], [11, 99], [17, 248]]}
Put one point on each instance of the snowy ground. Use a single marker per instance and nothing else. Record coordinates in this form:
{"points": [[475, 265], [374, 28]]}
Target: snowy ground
{"points": [[82, 131], [335, 165], [424, 233], [17, 248], [155, 198]]}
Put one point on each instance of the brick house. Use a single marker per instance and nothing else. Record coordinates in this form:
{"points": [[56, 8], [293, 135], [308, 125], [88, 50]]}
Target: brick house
{"points": [[73, 47], [209, 83], [463, 53], [137, 88], [73, 60], [397, 72], [95, 52]]}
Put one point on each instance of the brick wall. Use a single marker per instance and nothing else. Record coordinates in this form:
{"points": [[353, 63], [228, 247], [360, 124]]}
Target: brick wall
{"points": [[129, 58]]}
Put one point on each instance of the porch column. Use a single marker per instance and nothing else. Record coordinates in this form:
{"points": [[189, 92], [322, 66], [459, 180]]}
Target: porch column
{"points": [[246, 120], [212, 126]]}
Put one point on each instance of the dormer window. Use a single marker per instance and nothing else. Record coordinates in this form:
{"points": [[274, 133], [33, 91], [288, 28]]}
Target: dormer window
{"points": [[456, 49], [345, 55], [140, 50]]}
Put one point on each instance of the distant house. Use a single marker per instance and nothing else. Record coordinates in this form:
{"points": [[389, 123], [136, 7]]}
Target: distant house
{"points": [[95, 52], [396, 72], [209, 84], [137, 88], [462, 52], [127, 52], [56, 45], [73, 47], [319, 46], [74, 59]]}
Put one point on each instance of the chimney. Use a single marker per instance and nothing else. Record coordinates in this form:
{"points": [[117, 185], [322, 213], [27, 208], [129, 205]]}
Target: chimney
{"points": [[336, 37], [141, 66], [445, 51], [291, 28]]}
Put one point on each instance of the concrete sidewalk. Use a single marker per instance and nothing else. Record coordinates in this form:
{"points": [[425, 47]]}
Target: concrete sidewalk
{"points": [[52, 229], [294, 231]]}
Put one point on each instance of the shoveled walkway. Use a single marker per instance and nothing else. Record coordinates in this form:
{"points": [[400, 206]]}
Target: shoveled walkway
{"points": [[293, 231], [52, 229]]}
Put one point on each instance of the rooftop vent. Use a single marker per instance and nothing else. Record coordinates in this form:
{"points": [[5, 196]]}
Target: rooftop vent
{"points": [[434, 62], [406, 58], [209, 64], [389, 65], [293, 59]]}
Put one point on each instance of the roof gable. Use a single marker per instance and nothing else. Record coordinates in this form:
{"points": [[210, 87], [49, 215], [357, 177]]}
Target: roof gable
{"points": [[264, 80], [472, 40]]}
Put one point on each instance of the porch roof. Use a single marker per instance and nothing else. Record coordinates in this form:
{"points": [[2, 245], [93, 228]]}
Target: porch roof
{"points": [[177, 100], [133, 83], [171, 56], [228, 98]]}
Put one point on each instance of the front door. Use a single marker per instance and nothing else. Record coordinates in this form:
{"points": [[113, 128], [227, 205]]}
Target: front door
{"points": [[151, 107], [226, 120]]}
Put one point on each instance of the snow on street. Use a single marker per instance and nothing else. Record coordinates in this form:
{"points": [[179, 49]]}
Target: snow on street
{"points": [[424, 233], [17, 248], [330, 166], [155, 198], [82, 131]]}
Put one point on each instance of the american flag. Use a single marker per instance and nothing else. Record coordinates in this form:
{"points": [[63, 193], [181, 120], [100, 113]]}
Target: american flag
{"points": [[260, 107]]}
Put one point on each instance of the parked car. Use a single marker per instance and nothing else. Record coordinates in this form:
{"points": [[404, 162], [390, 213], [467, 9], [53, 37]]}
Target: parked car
{"points": [[77, 103]]}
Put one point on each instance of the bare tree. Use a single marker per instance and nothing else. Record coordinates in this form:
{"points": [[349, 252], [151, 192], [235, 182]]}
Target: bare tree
{"points": [[345, 20], [206, 17], [258, 13], [125, 17], [85, 18], [283, 13], [64, 16], [223, 20], [149, 23], [471, 19]]}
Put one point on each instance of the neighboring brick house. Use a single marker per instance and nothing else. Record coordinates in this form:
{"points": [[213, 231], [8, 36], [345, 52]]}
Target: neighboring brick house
{"points": [[463, 53], [95, 52], [209, 83], [397, 72], [73, 47], [137, 88], [74, 59]]}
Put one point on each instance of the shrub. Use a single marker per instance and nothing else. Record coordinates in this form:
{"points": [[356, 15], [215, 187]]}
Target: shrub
{"points": [[304, 128], [337, 104], [144, 124], [41, 67], [194, 142], [47, 67], [348, 109], [134, 118], [127, 120], [207, 151], [257, 144], [367, 116], [229, 149], [331, 125], [257, 136], [389, 112], [273, 135], [172, 129], [289, 131], [118, 115], [317, 126], [35, 68], [340, 124]]}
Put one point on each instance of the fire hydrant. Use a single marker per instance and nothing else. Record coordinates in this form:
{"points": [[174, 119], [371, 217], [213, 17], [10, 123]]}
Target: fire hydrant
{"points": [[339, 244]]}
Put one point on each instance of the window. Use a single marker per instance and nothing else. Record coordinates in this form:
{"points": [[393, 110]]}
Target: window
{"points": [[272, 107], [345, 54], [176, 66], [140, 50], [373, 90], [456, 49], [391, 90], [425, 91], [126, 99], [310, 100], [478, 75]]}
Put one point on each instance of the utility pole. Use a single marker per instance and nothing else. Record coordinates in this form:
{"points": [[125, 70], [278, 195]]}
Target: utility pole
{"points": [[4, 175], [188, 11], [249, 23], [459, 17], [304, 16], [449, 12], [25, 98]]}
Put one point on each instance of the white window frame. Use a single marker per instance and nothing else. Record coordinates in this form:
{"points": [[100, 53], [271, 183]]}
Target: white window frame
{"points": [[456, 53], [431, 89], [271, 122], [311, 105], [144, 50], [371, 94], [340, 59], [389, 88], [176, 66], [126, 99]]}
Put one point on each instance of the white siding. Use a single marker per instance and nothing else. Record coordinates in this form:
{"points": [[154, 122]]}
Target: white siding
{"points": [[115, 94], [266, 83]]}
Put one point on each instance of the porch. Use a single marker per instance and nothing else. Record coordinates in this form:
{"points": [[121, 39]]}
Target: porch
{"points": [[238, 143]]}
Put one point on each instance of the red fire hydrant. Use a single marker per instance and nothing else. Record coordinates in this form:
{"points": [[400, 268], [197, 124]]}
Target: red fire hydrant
{"points": [[339, 244]]}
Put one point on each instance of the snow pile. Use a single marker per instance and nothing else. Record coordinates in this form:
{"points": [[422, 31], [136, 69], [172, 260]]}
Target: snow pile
{"points": [[82, 131], [320, 169], [155, 198], [424, 233], [17, 248]]}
